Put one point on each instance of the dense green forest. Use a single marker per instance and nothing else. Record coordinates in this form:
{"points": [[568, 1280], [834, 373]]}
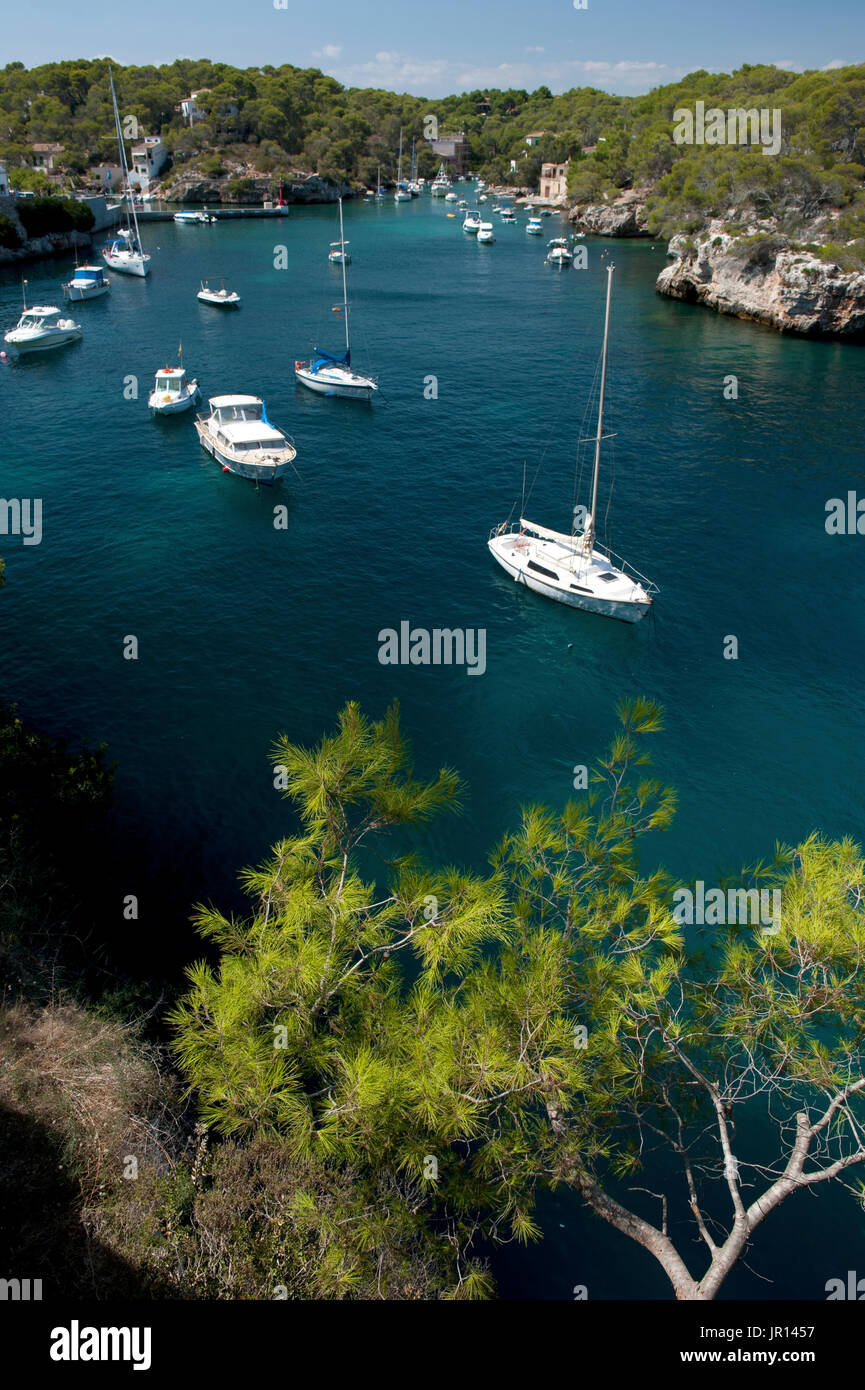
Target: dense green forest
{"points": [[277, 119]]}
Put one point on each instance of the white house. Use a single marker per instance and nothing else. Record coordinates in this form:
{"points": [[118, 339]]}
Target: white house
{"points": [[4, 182], [554, 182], [189, 108], [534, 138], [148, 159]]}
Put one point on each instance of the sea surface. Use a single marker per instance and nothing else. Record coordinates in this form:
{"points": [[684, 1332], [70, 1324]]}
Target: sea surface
{"points": [[246, 630]]}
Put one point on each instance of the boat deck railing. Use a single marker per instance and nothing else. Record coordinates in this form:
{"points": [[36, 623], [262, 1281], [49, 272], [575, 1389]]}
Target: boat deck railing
{"points": [[624, 566]]}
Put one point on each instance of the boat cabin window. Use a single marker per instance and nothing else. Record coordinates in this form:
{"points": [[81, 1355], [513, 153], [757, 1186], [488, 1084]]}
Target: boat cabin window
{"points": [[165, 383], [609, 576], [226, 413], [551, 574]]}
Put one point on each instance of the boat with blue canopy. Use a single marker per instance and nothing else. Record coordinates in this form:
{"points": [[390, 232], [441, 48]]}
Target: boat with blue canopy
{"points": [[331, 374]]}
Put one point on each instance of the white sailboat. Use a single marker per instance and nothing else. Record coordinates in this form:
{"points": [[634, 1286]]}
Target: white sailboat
{"points": [[441, 184], [402, 194], [573, 569], [332, 375], [125, 253]]}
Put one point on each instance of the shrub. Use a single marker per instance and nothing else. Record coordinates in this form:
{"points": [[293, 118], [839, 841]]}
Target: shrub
{"points": [[10, 237], [43, 216]]}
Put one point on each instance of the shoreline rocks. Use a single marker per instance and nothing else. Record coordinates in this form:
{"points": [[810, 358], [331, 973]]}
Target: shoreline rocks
{"points": [[626, 216], [764, 278]]}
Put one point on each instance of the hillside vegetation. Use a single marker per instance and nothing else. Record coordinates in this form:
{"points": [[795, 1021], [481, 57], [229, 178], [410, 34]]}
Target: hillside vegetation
{"points": [[278, 119]]}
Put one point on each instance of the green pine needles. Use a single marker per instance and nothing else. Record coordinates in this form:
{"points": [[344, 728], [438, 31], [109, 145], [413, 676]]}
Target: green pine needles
{"points": [[475, 1037]]}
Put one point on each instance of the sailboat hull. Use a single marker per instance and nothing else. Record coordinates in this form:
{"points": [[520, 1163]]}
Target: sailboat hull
{"points": [[128, 265], [337, 383], [563, 589]]}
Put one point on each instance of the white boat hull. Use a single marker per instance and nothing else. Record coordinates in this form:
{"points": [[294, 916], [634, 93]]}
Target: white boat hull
{"points": [[327, 383], [174, 406], [565, 590], [76, 293], [128, 264], [43, 343], [254, 472]]}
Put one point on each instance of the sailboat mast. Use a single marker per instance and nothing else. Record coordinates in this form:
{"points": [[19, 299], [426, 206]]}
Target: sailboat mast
{"points": [[399, 169], [591, 529], [344, 282], [124, 168]]}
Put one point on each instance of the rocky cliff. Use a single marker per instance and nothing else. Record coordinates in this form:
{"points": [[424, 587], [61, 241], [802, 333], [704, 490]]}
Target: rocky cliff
{"points": [[763, 277], [625, 216]]}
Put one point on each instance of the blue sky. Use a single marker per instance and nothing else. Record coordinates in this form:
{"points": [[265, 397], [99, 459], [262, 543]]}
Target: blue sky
{"points": [[433, 47]]}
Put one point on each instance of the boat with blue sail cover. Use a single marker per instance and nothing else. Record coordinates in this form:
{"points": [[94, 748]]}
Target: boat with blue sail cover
{"points": [[88, 282], [331, 374]]}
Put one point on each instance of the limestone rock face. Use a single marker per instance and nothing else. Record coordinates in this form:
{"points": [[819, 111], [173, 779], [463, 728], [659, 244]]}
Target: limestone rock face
{"points": [[768, 280], [625, 217]]}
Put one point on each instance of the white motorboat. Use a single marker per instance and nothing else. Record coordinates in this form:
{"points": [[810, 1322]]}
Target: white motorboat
{"points": [[574, 569], [508, 215], [559, 252], [125, 252], [483, 198], [332, 375], [451, 198], [88, 282], [472, 222], [534, 227], [338, 254], [223, 298], [486, 233], [237, 432], [172, 392], [189, 218], [40, 328]]}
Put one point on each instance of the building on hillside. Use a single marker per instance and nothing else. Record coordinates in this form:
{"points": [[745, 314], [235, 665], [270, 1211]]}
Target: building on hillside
{"points": [[189, 108], [554, 182], [4, 182], [108, 176], [454, 150], [148, 159], [46, 156], [535, 137]]}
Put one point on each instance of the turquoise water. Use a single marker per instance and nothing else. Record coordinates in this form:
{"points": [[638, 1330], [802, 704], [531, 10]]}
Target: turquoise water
{"points": [[245, 631]]}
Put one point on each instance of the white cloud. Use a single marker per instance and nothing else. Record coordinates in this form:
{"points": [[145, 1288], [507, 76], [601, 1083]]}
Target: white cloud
{"points": [[536, 48], [432, 77], [835, 63], [786, 63], [330, 50]]}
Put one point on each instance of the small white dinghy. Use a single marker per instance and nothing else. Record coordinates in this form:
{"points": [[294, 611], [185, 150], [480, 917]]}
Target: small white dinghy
{"points": [[173, 392], [338, 254], [224, 298], [574, 569], [40, 328]]}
